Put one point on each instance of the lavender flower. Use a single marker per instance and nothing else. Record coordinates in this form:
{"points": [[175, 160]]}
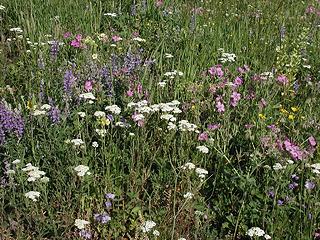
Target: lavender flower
{"points": [[102, 218], [54, 114], [54, 49], [309, 185], [85, 234], [10, 122], [110, 196], [68, 82]]}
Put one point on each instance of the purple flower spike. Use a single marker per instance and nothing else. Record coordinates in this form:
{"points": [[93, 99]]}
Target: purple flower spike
{"points": [[309, 185]]}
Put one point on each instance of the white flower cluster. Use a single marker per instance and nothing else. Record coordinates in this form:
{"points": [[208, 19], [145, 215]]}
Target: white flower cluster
{"points": [[173, 74], [315, 168], [138, 39], [227, 57], [16, 29], [34, 173], [184, 126], [257, 232], [203, 149], [99, 114], [147, 226], [77, 142], [42, 111], [86, 96], [81, 224], [33, 195], [82, 170], [202, 173], [114, 109], [2, 7], [101, 132]]}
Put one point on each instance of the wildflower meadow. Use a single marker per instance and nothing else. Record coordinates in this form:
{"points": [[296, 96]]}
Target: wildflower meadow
{"points": [[159, 119]]}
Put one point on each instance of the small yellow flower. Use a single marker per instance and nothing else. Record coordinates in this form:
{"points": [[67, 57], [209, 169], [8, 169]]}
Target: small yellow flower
{"points": [[193, 107], [294, 109], [104, 121], [283, 111], [261, 116], [291, 117]]}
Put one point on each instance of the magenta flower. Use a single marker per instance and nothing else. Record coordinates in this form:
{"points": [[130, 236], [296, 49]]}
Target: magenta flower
{"points": [[220, 106], [295, 152], [77, 41], [237, 82], [235, 98], [203, 136], [282, 79], [88, 86], [67, 34], [213, 126], [130, 93], [312, 141], [139, 88], [216, 71]]}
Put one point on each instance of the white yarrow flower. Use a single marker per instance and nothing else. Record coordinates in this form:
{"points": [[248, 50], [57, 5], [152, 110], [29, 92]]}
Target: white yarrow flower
{"points": [[203, 149], [88, 95], [82, 170], [77, 142], [255, 231], [81, 224], [33, 195], [82, 114], [147, 226]]}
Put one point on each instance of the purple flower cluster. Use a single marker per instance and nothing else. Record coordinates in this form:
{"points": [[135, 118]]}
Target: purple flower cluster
{"points": [[295, 152], [10, 122], [216, 71], [235, 98], [68, 82]]}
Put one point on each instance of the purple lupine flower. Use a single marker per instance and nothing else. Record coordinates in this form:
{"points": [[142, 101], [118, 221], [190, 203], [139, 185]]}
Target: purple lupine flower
{"points": [[54, 114], [102, 218], [69, 81], [280, 202], [4, 180], [11, 122], [293, 185], [271, 194], [295, 177], [85, 234], [309, 185], [110, 196], [54, 49], [235, 98]]}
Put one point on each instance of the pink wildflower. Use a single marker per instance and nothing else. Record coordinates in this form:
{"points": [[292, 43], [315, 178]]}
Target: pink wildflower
{"points": [[282, 79], [203, 136], [116, 38], [235, 98], [67, 34], [312, 141], [216, 71], [88, 86]]}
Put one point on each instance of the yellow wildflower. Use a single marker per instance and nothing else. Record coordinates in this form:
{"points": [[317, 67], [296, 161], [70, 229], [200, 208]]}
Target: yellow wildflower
{"points": [[294, 109], [104, 121], [283, 111], [291, 117], [261, 116]]}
